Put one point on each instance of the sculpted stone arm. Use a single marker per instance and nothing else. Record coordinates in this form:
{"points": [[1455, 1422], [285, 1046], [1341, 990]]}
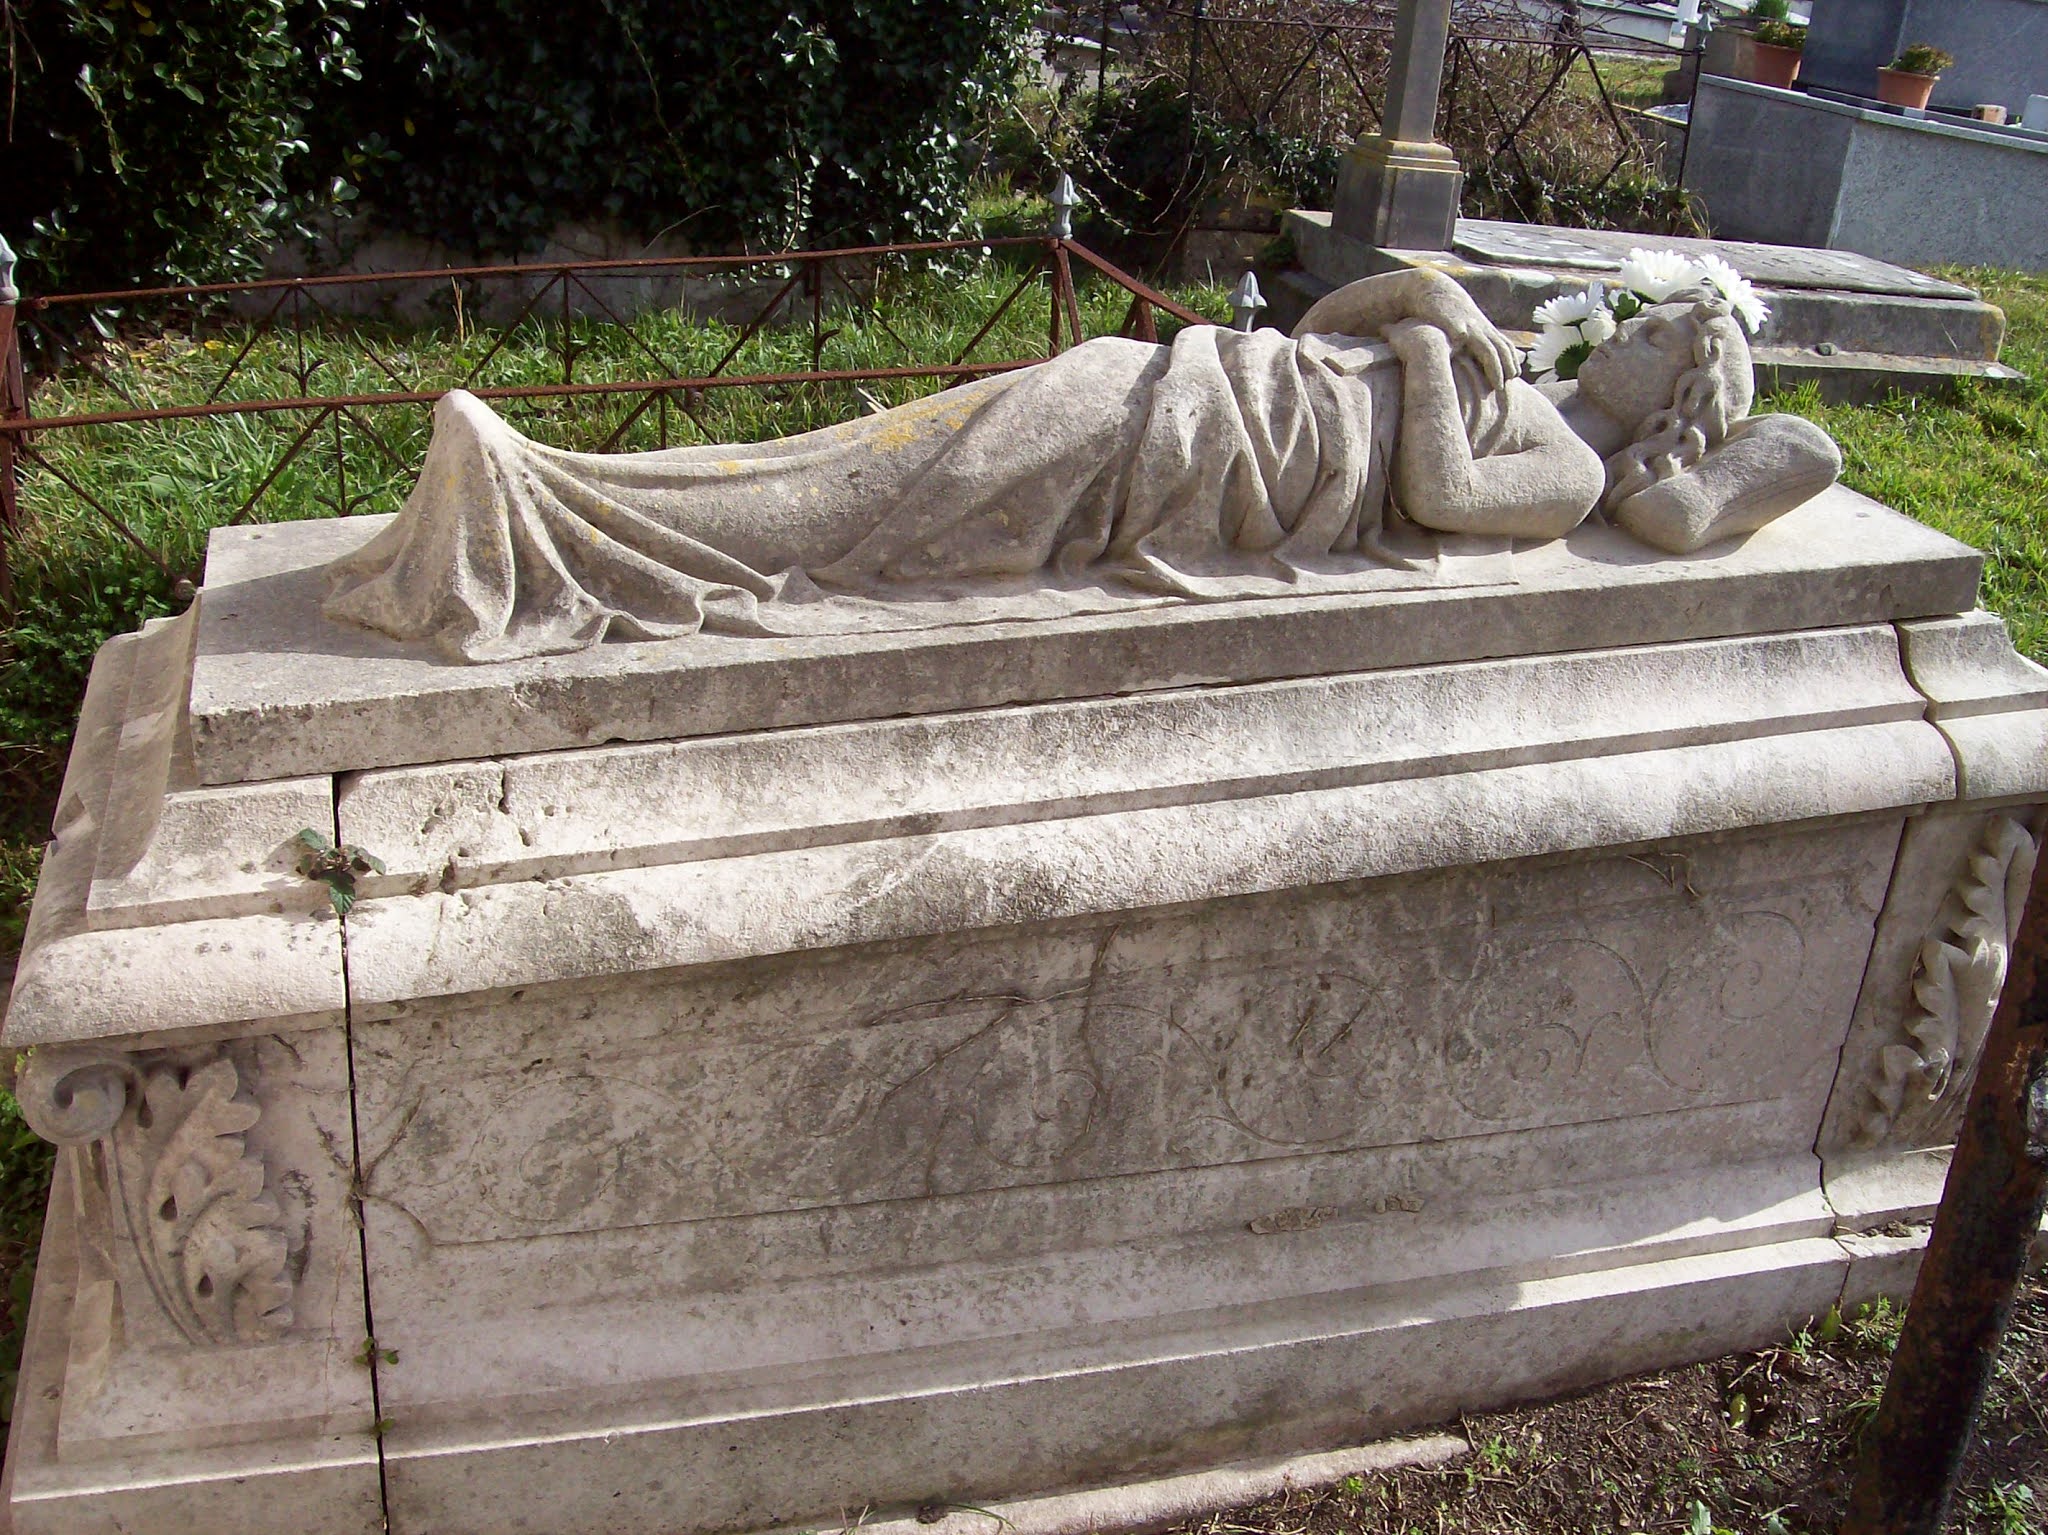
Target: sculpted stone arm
{"points": [[1374, 306], [1764, 467], [1541, 484]]}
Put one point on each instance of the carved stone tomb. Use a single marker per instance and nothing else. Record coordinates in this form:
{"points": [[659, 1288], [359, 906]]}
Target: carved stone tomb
{"points": [[763, 1077]]}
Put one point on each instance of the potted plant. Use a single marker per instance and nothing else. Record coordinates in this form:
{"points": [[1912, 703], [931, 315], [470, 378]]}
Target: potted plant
{"points": [[1910, 79], [1776, 53]]}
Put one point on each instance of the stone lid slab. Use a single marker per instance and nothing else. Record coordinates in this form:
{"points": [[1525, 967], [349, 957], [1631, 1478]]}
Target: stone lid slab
{"points": [[279, 691], [1771, 266]]}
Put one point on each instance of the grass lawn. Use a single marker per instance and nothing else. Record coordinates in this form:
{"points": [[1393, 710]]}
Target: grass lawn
{"points": [[1631, 81], [1976, 467]]}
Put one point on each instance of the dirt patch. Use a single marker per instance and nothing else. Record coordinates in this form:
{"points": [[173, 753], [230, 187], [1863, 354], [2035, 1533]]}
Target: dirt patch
{"points": [[1761, 1443]]}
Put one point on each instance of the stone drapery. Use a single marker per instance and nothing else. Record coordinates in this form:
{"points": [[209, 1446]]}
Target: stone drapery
{"points": [[1222, 465]]}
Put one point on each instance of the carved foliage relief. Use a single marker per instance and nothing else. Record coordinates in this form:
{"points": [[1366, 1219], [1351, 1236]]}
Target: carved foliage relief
{"points": [[164, 1135], [1960, 971], [1322, 1021]]}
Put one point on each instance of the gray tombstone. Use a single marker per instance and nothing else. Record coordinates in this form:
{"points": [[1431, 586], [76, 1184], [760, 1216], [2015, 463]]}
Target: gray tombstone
{"points": [[2001, 46]]}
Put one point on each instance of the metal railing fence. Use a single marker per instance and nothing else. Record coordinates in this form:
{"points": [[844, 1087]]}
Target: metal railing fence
{"points": [[796, 298]]}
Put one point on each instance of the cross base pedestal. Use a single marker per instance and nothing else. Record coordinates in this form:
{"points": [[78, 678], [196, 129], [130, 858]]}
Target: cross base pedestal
{"points": [[1398, 193]]}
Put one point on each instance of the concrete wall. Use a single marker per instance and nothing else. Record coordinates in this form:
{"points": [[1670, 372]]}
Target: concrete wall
{"points": [[1786, 168], [2001, 46], [1916, 196], [1765, 169]]}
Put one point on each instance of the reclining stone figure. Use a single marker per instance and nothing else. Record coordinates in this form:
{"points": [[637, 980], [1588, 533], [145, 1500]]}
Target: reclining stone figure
{"points": [[1386, 436]]}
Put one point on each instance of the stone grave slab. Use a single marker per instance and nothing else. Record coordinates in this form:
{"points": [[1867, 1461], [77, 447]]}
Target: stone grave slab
{"points": [[1770, 266], [262, 706], [1857, 327]]}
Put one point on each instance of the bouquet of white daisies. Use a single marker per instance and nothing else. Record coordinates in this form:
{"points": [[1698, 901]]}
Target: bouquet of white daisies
{"points": [[1573, 324]]}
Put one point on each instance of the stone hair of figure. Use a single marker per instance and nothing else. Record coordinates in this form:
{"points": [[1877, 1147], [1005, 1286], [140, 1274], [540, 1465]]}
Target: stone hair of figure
{"points": [[1701, 468]]}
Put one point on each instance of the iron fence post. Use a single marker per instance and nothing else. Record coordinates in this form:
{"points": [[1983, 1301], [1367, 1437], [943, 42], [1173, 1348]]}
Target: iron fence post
{"points": [[1246, 301], [1990, 1212], [568, 315], [13, 407], [1061, 230], [1102, 59]]}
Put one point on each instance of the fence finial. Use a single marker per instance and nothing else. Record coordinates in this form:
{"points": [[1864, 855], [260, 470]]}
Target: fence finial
{"points": [[1064, 201], [1246, 301], [8, 292]]}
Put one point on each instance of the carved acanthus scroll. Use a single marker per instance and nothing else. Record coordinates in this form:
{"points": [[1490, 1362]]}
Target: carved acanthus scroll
{"points": [[1955, 987], [171, 1129]]}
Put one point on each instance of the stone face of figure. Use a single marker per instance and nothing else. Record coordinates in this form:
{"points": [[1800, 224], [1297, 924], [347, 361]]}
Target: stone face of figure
{"points": [[1387, 437], [1666, 401]]}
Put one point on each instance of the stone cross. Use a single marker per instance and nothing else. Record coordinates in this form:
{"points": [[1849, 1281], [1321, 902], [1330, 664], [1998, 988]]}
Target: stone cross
{"points": [[1398, 188]]}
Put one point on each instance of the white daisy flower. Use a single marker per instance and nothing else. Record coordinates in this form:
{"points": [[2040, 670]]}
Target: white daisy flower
{"points": [[1742, 298], [1549, 347], [1656, 275], [1569, 308], [1597, 326]]}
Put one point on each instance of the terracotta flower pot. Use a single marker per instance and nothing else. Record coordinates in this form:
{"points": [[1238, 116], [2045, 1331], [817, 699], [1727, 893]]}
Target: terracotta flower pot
{"points": [[1897, 88], [1773, 65]]}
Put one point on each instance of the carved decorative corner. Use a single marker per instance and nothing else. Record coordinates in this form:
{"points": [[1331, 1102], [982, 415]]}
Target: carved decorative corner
{"points": [[169, 1132], [1956, 982]]}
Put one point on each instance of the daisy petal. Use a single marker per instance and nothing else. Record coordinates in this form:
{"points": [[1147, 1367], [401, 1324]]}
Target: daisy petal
{"points": [[1656, 275], [1566, 308]]}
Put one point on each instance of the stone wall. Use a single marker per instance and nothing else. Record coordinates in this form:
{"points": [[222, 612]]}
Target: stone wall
{"points": [[1788, 168]]}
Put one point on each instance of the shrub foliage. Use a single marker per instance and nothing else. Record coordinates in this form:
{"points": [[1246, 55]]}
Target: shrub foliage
{"points": [[153, 139], [779, 125]]}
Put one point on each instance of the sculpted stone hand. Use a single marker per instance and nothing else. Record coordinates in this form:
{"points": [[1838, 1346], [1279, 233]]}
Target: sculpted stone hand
{"points": [[1378, 447], [1374, 306]]}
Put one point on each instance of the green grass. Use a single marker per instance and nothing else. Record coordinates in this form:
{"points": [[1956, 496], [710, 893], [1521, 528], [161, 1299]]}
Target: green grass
{"points": [[1976, 468], [1630, 82]]}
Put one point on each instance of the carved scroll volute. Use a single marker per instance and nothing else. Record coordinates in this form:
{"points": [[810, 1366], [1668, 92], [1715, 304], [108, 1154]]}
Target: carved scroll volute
{"points": [[204, 1231], [71, 1095], [1956, 982]]}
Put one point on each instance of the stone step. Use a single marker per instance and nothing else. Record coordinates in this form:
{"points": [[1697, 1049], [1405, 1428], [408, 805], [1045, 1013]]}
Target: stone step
{"points": [[1856, 345], [1860, 378]]}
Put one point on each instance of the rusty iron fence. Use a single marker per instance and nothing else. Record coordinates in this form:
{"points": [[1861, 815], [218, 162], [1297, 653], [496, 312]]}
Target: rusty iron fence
{"points": [[310, 320]]}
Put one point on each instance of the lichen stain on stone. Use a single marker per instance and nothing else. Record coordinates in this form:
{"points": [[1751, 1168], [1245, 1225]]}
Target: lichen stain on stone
{"points": [[911, 424]]}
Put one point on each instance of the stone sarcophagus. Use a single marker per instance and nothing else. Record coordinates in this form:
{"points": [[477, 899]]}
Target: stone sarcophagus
{"points": [[848, 1046], [768, 1077]]}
